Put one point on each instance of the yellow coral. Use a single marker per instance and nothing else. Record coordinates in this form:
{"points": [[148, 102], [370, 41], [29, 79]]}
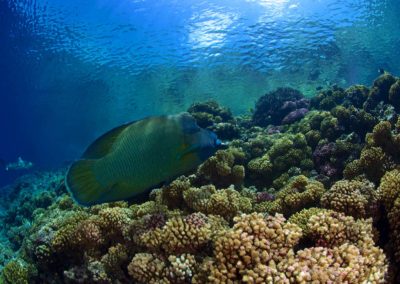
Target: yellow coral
{"points": [[334, 229], [114, 260], [181, 268], [302, 218], [390, 188], [344, 264], [178, 236], [254, 239]]}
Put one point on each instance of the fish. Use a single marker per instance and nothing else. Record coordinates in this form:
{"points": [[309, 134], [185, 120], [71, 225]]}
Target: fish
{"points": [[135, 157], [20, 164]]}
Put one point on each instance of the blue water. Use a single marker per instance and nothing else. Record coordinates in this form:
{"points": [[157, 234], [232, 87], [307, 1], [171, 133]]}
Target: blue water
{"points": [[70, 70]]}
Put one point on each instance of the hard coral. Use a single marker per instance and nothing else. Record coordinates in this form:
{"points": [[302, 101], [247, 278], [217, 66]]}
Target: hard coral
{"points": [[302, 218], [154, 269], [253, 240], [390, 188], [225, 202], [299, 193], [354, 198], [332, 229], [15, 272], [222, 169], [274, 106], [210, 112], [394, 94], [178, 235], [285, 152], [147, 268]]}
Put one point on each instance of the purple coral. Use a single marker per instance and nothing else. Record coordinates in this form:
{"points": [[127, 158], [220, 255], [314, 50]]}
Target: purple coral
{"points": [[264, 196], [294, 116], [322, 159], [154, 221], [196, 219]]}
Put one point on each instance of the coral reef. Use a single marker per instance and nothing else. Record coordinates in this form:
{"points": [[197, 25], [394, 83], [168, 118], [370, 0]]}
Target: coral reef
{"points": [[330, 165]]}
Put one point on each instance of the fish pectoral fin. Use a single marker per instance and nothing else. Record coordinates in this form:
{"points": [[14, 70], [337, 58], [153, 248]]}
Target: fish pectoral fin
{"points": [[103, 145], [189, 150]]}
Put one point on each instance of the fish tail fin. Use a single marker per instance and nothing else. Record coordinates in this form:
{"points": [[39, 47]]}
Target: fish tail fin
{"points": [[81, 182]]}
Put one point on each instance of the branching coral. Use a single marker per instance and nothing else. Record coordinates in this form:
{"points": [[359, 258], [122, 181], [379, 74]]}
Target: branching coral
{"points": [[15, 272], [154, 269], [147, 268], [331, 229], [390, 188], [285, 152], [254, 239], [210, 112], [302, 218], [178, 235], [222, 169], [274, 106], [354, 198], [299, 193], [225, 202]]}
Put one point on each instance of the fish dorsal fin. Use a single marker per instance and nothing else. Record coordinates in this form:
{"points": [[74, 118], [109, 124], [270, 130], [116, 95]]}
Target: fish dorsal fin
{"points": [[103, 145]]}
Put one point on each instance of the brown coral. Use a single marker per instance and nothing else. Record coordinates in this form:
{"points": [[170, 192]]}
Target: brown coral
{"points": [[147, 268]]}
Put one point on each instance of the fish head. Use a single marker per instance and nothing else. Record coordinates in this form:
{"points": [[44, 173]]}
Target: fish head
{"points": [[205, 143], [200, 142]]}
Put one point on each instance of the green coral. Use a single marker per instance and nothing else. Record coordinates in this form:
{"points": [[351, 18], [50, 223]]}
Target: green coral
{"points": [[394, 94], [302, 218], [15, 272], [222, 169], [354, 198], [224, 202], [301, 192], [210, 112], [285, 152]]}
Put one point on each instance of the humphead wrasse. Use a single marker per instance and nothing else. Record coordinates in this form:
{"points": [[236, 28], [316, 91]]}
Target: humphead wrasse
{"points": [[135, 157]]}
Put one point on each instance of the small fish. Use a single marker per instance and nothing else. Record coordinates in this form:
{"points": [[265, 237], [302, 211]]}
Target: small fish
{"points": [[20, 164], [133, 158]]}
